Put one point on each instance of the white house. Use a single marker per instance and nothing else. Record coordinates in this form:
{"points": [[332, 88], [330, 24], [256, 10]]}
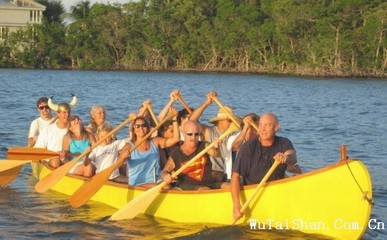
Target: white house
{"points": [[16, 14]]}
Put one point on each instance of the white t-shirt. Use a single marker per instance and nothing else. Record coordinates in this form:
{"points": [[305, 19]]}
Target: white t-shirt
{"points": [[105, 156], [51, 138], [37, 126], [228, 158]]}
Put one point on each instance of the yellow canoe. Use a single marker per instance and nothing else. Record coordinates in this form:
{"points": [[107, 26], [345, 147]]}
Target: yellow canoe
{"points": [[334, 201]]}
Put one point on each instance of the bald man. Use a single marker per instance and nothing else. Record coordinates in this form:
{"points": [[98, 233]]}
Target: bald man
{"points": [[256, 157], [198, 176]]}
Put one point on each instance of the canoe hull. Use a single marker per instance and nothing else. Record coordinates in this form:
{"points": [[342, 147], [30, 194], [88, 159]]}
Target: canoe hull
{"points": [[329, 201]]}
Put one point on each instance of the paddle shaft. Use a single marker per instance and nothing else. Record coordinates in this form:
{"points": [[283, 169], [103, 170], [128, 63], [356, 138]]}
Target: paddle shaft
{"points": [[152, 113], [142, 202], [185, 105], [47, 182], [256, 190], [30, 153], [252, 123], [230, 130], [85, 192], [232, 117]]}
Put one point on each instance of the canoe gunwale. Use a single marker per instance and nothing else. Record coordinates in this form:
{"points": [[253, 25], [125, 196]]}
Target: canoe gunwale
{"points": [[253, 186], [340, 184]]}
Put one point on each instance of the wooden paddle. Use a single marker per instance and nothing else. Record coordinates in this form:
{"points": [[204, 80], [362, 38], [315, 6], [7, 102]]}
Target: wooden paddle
{"points": [[142, 202], [9, 175], [148, 106], [6, 164], [52, 178], [232, 117], [87, 190], [31, 153], [252, 123], [10, 169], [263, 181], [179, 97]]}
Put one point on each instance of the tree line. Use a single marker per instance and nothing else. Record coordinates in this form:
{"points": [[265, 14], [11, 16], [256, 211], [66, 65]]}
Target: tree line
{"points": [[301, 37]]}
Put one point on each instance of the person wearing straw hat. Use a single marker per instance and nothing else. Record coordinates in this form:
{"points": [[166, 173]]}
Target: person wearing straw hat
{"points": [[221, 122]]}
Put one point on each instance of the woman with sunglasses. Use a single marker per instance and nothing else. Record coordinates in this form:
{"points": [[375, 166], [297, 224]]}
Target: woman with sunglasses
{"points": [[39, 123], [143, 163]]}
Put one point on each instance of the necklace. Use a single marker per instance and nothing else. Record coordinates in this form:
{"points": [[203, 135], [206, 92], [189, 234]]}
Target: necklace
{"points": [[266, 155]]}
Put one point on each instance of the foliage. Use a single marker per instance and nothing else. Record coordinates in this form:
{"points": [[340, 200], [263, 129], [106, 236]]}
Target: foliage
{"points": [[326, 37]]}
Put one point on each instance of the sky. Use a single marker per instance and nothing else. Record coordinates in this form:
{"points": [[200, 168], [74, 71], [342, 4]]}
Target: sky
{"points": [[68, 3]]}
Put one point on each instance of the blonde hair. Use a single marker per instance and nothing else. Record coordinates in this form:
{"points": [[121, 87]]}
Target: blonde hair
{"points": [[105, 127]]}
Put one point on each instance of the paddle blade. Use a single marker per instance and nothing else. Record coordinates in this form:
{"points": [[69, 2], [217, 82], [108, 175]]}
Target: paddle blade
{"points": [[52, 178], [138, 204], [30, 153], [9, 175], [87, 190], [6, 164]]}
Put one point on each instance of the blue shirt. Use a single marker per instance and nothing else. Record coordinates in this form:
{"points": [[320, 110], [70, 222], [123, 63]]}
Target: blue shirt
{"points": [[144, 167]]}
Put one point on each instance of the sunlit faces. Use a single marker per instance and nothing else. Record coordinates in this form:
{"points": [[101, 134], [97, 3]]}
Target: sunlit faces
{"points": [[103, 134], [64, 115], [99, 116], [168, 133], [44, 109], [268, 126], [191, 131], [224, 123], [141, 127], [75, 120]]}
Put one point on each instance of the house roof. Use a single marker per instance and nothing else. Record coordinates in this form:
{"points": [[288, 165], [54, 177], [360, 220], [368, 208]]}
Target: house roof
{"points": [[20, 3]]}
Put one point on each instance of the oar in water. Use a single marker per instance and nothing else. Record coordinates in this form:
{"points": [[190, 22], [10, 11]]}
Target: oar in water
{"points": [[142, 202], [6, 164], [10, 169], [256, 190], [185, 105], [9, 175], [87, 190], [52, 178]]}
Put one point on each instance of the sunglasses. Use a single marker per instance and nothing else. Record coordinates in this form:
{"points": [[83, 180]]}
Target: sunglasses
{"points": [[44, 107], [193, 134], [144, 125]]}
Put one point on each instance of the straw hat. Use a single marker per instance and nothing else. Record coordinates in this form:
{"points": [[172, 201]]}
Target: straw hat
{"points": [[222, 115]]}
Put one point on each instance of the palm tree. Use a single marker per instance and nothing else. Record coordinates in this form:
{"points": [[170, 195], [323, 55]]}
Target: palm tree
{"points": [[81, 10]]}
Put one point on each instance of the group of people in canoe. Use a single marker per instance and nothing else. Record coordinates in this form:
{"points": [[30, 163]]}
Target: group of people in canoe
{"points": [[242, 158]]}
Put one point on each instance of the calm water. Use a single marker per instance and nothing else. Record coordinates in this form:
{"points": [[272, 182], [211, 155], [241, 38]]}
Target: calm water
{"points": [[318, 115]]}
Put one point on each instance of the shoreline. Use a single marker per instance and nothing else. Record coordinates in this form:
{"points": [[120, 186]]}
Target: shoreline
{"points": [[305, 73]]}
